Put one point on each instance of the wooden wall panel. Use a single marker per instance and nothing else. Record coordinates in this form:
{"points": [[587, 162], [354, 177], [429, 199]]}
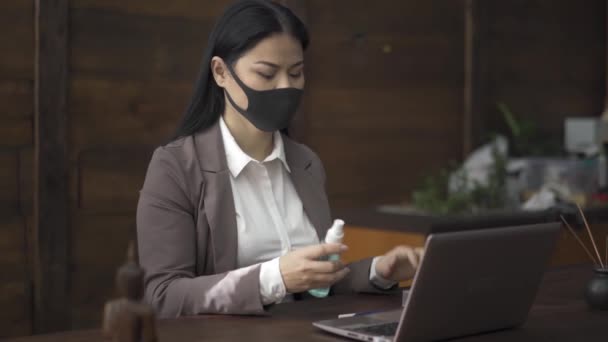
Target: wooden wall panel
{"points": [[16, 141], [15, 132], [17, 34], [381, 60], [51, 212], [9, 186], [15, 280], [26, 181], [16, 320], [133, 67], [386, 95], [546, 60], [12, 245], [17, 107], [16, 96], [193, 9], [110, 179], [99, 245], [110, 112], [149, 48], [391, 17]]}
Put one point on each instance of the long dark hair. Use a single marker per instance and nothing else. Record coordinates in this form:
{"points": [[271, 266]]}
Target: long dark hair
{"points": [[239, 29]]}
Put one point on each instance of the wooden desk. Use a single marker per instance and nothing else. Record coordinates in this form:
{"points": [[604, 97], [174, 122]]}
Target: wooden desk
{"points": [[559, 314]]}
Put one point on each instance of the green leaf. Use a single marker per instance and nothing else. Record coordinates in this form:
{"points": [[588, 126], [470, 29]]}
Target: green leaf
{"points": [[514, 126]]}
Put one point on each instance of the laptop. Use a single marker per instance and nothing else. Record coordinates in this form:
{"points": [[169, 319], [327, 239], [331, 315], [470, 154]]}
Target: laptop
{"points": [[468, 282]]}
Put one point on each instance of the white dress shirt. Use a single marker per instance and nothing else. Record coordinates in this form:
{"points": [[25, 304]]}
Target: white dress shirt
{"points": [[269, 213]]}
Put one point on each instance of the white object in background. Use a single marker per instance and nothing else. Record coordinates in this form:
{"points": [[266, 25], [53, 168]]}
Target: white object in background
{"points": [[478, 166], [582, 135], [335, 234], [544, 199], [602, 131]]}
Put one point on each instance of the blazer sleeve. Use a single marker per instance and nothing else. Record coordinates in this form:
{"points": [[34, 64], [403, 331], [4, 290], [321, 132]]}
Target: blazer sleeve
{"points": [[167, 242]]}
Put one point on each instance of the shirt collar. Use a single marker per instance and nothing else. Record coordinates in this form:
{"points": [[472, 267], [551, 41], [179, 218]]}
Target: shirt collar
{"points": [[237, 159]]}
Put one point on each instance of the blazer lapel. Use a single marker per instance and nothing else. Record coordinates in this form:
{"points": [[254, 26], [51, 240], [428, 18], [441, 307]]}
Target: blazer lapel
{"points": [[309, 188], [218, 200], [221, 215]]}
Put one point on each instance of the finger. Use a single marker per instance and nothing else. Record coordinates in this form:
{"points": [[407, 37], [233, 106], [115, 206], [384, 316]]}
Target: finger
{"points": [[321, 250], [388, 269], [413, 256], [409, 254], [324, 266], [387, 264]]}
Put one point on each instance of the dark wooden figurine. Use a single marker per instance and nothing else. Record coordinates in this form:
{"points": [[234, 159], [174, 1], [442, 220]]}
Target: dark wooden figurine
{"points": [[128, 319]]}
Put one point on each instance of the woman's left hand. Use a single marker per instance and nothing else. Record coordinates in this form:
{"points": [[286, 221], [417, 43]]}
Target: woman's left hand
{"points": [[400, 263]]}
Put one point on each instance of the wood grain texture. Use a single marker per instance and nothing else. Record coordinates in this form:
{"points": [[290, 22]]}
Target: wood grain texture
{"points": [[16, 38], [16, 136], [377, 61], [364, 242], [475, 65], [185, 9], [16, 312], [15, 247], [15, 284], [16, 97], [93, 266], [298, 127], [342, 17], [569, 252], [385, 82], [12, 242], [9, 185], [16, 132], [110, 178], [51, 169], [548, 64], [133, 66], [152, 48], [105, 112], [26, 181]]}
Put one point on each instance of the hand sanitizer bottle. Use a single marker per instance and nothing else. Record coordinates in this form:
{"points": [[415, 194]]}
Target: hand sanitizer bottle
{"points": [[335, 234]]}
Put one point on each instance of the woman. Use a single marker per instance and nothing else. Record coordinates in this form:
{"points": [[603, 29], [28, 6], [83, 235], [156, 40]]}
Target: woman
{"points": [[232, 211]]}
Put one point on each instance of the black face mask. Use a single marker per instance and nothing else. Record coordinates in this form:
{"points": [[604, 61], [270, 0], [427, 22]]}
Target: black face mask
{"points": [[268, 110]]}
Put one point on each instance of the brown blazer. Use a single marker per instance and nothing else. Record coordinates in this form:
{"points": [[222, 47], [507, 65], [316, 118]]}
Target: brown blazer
{"points": [[187, 232]]}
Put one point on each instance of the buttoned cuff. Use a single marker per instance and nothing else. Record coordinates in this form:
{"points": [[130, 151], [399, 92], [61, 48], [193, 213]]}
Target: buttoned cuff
{"points": [[272, 288], [377, 279]]}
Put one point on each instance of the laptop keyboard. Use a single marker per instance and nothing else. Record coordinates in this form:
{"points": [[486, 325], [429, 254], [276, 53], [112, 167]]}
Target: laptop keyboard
{"points": [[385, 329]]}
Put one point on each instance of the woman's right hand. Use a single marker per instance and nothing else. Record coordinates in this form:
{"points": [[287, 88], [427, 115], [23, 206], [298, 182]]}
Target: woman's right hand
{"points": [[301, 270]]}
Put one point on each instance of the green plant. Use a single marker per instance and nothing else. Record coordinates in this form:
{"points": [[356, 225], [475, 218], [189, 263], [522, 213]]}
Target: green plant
{"points": [[468, 196], [435, 198], [525, 138]]}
